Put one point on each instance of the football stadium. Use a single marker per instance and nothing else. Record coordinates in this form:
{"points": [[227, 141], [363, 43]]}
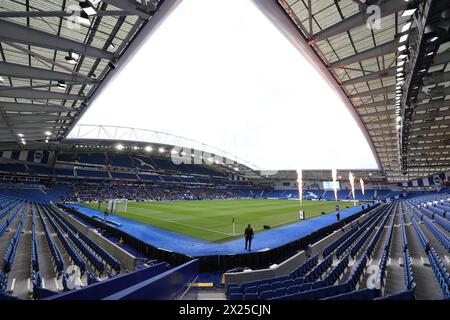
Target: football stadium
{"points": [[240, 150]]}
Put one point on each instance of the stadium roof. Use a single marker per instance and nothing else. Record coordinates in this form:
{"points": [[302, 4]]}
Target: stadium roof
{"points": [[41, 93], [364, 62], [54, 58]]}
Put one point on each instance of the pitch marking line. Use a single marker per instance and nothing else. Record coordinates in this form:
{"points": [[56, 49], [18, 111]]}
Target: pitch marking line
{"points": [[195, 227]]}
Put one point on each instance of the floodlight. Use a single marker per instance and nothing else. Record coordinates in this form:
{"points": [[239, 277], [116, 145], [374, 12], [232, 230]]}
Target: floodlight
{"points": [[402, 48], [62, 85], [87, 8], [161, 150], [72, 58], [406, 27], [148, 148], [119, 147], [83, 19], [408, 12], [403, 38], [48, 133], [20, 135]]}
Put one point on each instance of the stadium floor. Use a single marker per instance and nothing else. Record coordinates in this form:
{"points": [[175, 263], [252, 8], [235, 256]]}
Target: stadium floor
{"points": [[174, 241]]}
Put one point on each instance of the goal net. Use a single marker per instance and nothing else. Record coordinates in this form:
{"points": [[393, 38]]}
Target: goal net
{"points": [[117, 205]]}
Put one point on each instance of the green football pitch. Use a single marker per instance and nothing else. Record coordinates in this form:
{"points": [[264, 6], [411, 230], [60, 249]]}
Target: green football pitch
{"points": [[212, 219]]}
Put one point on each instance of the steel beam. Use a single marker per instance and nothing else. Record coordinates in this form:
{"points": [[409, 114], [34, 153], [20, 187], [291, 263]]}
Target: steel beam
{"points": [[380, 50], [37, 94], [431, 123], [382, 103], [375, 92], [371, 76], [30, 107], [58, 14], [33, 125], [389, 121], [415, 133], [359, 19], [377, 113], [442, 58], [436, 77], [143, 11], [26, 72], [435, 92], [19, 33], [430, 115], [34, 117], [436, 104]]}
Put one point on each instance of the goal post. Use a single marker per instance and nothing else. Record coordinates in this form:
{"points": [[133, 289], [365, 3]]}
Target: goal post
{"points": [[117, 205]]}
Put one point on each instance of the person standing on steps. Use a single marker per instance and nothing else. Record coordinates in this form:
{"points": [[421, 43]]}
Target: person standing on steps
{"points": [[248, 234]]}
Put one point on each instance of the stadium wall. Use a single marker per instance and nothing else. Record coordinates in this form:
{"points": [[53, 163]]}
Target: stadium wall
{"points": [[170, 285]]}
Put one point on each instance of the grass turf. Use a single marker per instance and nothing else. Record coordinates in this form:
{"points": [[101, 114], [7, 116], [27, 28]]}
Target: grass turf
{"points": [[212, 219]]}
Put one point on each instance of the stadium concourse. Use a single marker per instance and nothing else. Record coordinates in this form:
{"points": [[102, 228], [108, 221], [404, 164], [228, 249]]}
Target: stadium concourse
{"points": [[375, 234]]}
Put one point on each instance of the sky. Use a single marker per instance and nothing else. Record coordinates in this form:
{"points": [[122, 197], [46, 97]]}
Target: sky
{"points": [[217, 71]]}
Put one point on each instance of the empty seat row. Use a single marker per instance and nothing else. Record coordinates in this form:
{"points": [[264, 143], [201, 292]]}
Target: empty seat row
{"points": [[108, 258], [404, 295], [364, 294], [443, 222], [96, 262], [305, 267], [289, 287], [385, 255], [319, 270], [10, 205], [8, 257], [316, 294], [422, 238], [294, 278], [55, 253], [407, 263], [74, 255], [36, 281], [440, 271], [335, 244], [274, 290], [348, 242], [373, 242], [438, 233], [34, 249], [3, 282], [365, 235], [334, 275]]}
